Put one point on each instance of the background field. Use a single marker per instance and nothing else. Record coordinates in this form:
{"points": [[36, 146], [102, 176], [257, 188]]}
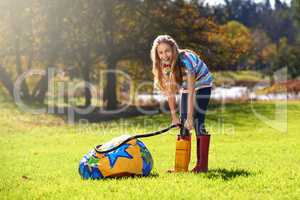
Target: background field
{"points": [[40, 156]]}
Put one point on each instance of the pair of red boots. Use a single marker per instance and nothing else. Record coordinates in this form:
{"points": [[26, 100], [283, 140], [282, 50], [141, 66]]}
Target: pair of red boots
{"points": [[183, 153]]}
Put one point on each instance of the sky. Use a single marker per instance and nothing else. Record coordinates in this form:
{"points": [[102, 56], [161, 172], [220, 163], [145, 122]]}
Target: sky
{"points": [[212, 2]]}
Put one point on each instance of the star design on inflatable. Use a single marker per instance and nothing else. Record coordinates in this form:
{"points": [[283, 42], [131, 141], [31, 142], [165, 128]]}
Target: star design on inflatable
{"points": [[120, 152]]}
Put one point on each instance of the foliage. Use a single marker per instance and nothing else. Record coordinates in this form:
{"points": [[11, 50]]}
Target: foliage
{"points": [[233, 42], [83, 37]]}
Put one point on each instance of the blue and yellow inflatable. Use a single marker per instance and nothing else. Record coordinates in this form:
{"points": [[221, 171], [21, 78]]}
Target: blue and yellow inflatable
{"points": [[131, 158]]}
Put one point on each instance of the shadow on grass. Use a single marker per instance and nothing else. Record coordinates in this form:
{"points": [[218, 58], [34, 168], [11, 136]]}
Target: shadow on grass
{"points": [[152, 175], [226, 174], [99, 114]]}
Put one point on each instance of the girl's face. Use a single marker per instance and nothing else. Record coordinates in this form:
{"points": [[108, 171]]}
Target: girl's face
{"points": [[164, 52]]}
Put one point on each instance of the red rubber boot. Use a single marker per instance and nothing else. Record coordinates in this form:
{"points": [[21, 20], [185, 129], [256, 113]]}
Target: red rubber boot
{"points": [[202, 153]]}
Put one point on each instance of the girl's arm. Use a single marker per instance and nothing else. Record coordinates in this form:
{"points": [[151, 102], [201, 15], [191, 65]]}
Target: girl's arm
{"points": [[172, 106]]}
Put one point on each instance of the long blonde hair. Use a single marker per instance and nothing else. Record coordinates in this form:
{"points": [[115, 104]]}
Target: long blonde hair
{"points": [[168, 84]]}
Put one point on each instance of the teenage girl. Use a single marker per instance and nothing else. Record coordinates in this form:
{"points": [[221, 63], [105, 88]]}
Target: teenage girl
{"points": [[181, 70]]}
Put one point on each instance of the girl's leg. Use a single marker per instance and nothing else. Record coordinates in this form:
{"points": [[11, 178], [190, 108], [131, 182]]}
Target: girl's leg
{"points": [[202, 138], [202, 98], [183, 105], [183, 112], [184, 132]]}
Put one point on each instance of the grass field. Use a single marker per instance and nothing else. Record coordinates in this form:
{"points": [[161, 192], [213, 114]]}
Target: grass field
{"points": [[248, 159]]}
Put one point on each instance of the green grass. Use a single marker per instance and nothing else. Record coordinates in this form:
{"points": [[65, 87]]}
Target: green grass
{"points": [[237, 77], [248, 160]]}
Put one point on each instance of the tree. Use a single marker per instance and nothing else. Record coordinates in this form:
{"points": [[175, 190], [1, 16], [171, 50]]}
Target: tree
{"points": [[288, 56], [233, 46], [32, 34], [281, 55], [82, 40], [260, 41], [15, 27], [53, 43], [295, 6], [275, 22]]}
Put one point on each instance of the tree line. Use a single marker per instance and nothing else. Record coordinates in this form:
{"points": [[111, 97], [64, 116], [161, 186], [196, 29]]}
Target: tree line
{"points": [[81, 37]]}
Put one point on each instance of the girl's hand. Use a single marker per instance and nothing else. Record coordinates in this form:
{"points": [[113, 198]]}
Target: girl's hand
{"points": [[188, 124], [175, 120]]}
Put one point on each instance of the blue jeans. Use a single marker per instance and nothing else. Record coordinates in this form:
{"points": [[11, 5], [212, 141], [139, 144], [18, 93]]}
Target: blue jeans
{"points": [[202, 97]]}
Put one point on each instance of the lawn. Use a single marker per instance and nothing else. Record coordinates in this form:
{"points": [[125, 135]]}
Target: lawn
{"points": [[248, 159]]}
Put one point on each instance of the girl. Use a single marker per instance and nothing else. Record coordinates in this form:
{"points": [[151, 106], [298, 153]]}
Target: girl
{"points": [[181, 70]]}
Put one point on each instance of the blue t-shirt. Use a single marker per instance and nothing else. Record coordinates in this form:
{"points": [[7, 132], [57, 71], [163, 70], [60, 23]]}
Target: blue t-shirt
{"points": [[191, 63]]}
